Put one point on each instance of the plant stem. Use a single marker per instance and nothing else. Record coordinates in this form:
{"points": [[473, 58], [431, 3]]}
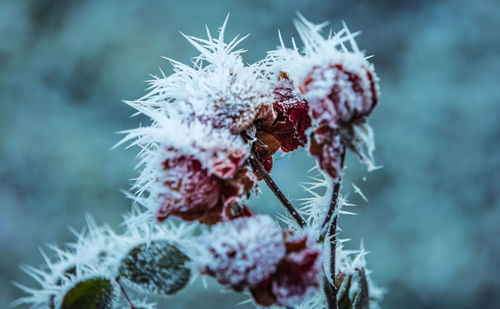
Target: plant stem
{"points": [[258, 167], [330, 288], [117, 279], [333, 208]]}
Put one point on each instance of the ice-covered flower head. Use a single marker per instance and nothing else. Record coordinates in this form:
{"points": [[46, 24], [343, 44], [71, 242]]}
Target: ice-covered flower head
{"points": [[338, 83], [190, 170], [277, 266], [219, 89], [336, 87]]}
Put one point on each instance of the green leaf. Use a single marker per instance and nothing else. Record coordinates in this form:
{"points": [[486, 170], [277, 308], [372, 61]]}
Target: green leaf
{"points": [[343, 293], [362, 299], [158, 268], [70, 271], [359, 298], [96, 293]]}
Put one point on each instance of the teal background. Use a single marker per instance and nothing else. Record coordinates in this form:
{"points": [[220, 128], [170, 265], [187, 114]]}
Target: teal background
{"points": [[432, 223]]}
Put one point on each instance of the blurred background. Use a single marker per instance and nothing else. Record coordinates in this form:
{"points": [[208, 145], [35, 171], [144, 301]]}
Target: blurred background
{"points": [[432, 223]]}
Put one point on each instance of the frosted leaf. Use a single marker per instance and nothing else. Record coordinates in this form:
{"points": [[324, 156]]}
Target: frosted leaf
{"points": [[158, 268], [242, 252], [90, 294], [89, 256], [55, 286]]}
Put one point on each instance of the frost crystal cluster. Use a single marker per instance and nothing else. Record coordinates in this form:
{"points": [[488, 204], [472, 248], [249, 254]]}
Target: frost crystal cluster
{"points": [[216, 124]]}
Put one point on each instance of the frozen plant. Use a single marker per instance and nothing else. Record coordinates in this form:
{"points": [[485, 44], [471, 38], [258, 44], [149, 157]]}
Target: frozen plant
{"points": [[215, 126]]}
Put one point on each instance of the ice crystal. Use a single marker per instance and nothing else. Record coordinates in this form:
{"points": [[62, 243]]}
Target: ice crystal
{"points": [[316, 301], [219, 89], [316, 205]]}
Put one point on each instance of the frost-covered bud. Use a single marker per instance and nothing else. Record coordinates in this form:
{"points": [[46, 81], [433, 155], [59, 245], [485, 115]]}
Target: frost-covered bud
{"points": [[243, 252], [326, 146], [278, 267], [340, 93]]}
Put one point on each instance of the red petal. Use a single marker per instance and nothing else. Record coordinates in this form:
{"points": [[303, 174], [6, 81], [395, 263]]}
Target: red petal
{"points": [[327, 148]]}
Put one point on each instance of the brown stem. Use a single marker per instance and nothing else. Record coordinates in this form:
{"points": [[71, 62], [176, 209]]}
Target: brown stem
{"points": [[258, 167], [333, 208], [330, 288], [335, 197], [331, 295], [117, 279]]}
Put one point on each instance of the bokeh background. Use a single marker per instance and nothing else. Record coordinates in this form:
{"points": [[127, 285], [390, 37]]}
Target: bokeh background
{"points": [[432, 223]]}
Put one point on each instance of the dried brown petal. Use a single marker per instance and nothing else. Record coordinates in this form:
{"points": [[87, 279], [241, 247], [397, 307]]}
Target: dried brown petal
{"points": [[327, 148]]}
